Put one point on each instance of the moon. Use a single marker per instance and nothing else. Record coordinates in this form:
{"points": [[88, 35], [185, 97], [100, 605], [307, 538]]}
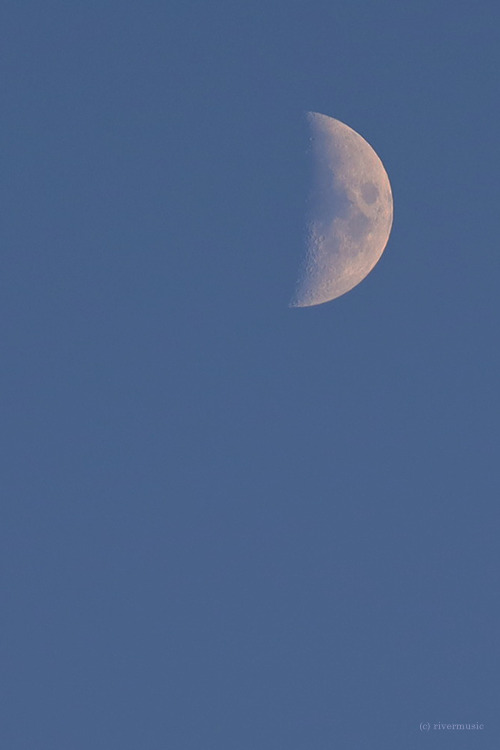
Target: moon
{"points": [[350, 213]]}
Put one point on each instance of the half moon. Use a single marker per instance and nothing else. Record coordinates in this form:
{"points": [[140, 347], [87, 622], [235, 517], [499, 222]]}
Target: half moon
{"points": [[350, 214]]}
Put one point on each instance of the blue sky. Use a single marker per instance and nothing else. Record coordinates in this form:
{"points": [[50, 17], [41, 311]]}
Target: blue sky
{"points": [[227, 523]]}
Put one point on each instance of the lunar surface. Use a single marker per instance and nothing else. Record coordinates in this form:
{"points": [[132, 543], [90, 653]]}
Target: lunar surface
{"points": [[350, 213]]}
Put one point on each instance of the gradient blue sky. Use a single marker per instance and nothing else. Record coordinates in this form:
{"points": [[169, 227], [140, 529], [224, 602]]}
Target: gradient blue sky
{"points": [[226, 523]]}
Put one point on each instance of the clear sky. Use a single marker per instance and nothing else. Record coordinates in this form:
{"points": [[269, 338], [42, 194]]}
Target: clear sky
{"points": [[228, 524]]}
